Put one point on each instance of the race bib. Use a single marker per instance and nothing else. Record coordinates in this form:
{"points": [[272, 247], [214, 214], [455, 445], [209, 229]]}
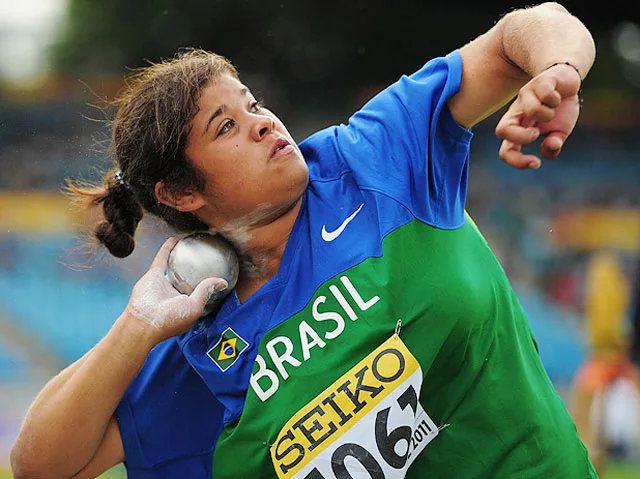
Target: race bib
{"points": [[367, 424]]}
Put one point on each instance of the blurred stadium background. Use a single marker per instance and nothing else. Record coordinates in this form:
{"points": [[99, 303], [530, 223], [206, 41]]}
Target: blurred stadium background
{"points": [[313, 63]]}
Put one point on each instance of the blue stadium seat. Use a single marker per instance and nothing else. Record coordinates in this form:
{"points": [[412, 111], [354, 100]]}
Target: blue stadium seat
{"points": [[67, 311], [13, 364]]}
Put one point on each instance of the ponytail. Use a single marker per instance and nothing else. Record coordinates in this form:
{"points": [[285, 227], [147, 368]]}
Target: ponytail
{"points": [[121, 211]]}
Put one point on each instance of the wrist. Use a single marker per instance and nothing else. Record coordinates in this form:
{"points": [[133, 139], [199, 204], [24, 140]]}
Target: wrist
{"points": [[569, 64], [577, 70], [131, 330]]}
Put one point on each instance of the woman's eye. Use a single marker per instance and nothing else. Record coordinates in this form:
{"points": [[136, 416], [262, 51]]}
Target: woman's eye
{"points": [[226, 127], [256, 106]]}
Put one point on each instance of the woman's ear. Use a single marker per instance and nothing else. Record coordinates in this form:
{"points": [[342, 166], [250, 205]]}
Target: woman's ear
{"points": [[187, 201]]}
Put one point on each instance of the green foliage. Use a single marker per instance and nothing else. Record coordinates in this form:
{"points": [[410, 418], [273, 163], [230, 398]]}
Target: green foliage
{"points": [[331, 45]]}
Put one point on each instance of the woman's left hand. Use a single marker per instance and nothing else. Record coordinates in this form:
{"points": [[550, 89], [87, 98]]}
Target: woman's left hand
{"points": [[549, 106]]}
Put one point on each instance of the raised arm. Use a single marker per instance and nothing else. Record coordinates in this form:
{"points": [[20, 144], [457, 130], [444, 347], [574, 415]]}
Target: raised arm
{"points": [[515, 57]]}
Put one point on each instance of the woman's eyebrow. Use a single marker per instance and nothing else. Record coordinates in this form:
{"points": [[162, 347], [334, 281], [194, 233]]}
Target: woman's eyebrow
{"points": [[243, 92], [215, 115]]}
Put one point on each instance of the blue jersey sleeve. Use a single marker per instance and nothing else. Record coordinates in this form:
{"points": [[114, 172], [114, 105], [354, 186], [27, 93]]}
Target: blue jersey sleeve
{"points": [[406, 144], [169, 420]]}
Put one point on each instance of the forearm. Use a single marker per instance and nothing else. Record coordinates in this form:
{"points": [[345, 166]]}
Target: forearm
{"points": [[68, 419], [535, 38]]}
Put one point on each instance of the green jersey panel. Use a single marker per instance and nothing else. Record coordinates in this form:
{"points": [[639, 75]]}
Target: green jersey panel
{"points": [[483, 387]]}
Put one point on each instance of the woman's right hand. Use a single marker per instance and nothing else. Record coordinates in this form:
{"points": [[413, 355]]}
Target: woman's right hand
{"points": [[159, 306]]}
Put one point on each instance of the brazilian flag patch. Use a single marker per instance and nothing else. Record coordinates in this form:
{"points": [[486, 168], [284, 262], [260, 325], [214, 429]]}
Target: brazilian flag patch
{"points": [[227, 350]]}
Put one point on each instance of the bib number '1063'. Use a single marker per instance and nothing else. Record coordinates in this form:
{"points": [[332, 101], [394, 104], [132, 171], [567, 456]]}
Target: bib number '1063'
{"points": [[369, 423]]}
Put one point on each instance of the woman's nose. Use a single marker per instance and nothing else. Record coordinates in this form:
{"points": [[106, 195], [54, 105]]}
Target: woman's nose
{"points": [[262, 127]]}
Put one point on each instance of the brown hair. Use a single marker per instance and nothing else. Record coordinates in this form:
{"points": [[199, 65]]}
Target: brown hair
{"points": [[150, 132]]}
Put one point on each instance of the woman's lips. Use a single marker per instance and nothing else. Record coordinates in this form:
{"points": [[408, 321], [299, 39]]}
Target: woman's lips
{"points": [[281, 148]]}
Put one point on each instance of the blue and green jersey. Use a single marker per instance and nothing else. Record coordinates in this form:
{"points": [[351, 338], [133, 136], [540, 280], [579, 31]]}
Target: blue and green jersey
{"points": [[390, 343]]}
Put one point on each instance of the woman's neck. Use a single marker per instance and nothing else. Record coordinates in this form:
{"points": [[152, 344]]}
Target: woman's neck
{"points": [[261, 246]]}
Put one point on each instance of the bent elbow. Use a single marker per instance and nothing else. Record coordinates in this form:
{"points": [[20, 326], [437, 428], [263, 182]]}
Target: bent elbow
{"points": [[25, 465], [21, 468]]}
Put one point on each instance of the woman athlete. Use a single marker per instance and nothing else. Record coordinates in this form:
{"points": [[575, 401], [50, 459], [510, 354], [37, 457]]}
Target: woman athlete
{"points": [[372, 332]]}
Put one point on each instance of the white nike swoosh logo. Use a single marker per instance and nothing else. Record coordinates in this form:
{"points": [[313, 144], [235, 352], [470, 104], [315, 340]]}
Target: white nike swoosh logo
{"points": [[331, 235]]}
